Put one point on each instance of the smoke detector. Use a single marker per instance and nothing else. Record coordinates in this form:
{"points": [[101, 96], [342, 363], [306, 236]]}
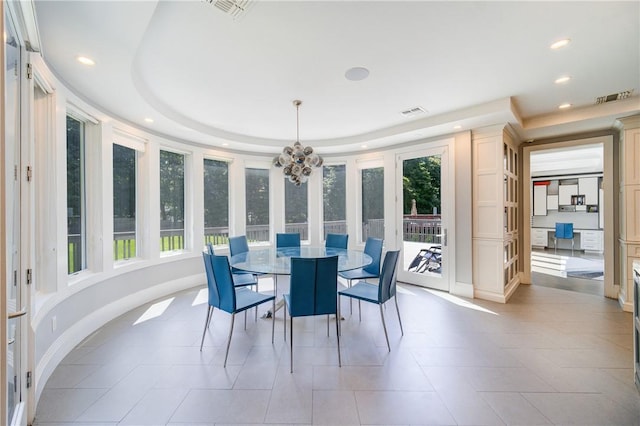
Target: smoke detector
{"points": [[413, 112], [614, 97], [234, 8]]}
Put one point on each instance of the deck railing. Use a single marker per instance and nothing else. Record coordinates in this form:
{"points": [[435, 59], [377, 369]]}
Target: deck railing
{"points": [[426, 229]]}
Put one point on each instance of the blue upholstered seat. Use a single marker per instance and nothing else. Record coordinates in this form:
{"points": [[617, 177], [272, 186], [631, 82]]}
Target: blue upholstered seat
{"points": [[291, 239], [337, 241], [378, 293], [313, 291], [224, 295]]}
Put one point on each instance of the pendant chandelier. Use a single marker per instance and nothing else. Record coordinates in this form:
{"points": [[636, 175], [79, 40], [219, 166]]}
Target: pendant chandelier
{"points": [[297, 161]]}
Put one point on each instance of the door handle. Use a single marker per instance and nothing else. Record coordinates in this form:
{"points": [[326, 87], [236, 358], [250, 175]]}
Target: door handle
{"points": [[444, 237], [17, 314]]}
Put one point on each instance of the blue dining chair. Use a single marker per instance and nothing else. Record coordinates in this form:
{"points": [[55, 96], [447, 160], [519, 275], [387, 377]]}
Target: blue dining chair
{"points": [[227, 297], [378, 293], [290, 239], [314, 283], [240, 279], [337, 241], [372, 247], [239, 245]]}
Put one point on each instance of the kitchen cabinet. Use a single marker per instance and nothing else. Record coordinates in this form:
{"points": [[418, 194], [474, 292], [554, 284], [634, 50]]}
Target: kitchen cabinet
{"points": [[591, 240], [539, 237], [588, 186]]}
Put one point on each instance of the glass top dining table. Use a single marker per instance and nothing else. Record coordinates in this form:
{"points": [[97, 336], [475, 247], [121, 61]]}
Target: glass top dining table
{"points": [[278, 261]]}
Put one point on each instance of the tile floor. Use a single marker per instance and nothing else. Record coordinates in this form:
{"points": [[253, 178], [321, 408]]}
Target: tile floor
{"points": [[549, 356]]}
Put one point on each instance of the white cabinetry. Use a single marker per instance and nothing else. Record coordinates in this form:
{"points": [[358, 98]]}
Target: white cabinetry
{"points": [[540, 200], [565, 192], [591, 240], [588, 186], [539, 237]]}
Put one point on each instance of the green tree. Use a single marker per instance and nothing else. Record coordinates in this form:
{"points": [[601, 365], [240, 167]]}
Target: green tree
{"points": [[334, 193], [216, 193], [421, 182], [172, 189], [257, 193]]}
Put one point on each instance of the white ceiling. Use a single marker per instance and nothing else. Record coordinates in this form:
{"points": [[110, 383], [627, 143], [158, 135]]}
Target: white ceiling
{"points": [[204, 77]]}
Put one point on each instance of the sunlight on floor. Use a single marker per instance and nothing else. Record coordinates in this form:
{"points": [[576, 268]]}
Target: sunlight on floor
{"points": [[201, 297], [458, 301], [154, 311]]}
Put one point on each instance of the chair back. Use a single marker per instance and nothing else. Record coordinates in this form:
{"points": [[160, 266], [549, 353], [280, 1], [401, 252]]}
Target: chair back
{"points": [[387, 287], [314, 286], [291, 239], [373, 247], [238, 245], [222, 294], [337, 241], [564, 230]]}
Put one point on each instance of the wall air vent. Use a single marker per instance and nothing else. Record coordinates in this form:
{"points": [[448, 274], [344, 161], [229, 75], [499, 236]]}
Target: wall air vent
{"points": [[234, 8], [614, 97], [413, 112]]}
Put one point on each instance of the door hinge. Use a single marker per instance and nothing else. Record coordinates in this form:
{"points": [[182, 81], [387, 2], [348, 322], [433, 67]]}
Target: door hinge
{"points": [[29, 71], [28, 379], [15, 278], [15, 383], [29, 173], [29, 276]]}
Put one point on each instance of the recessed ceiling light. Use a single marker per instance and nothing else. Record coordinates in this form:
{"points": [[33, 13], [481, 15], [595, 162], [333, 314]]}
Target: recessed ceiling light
{"points": [[564, 106], [560, 43], [356, 73], [225, 144], [363, 146], [86, 61], [562, 79], [457, 127], [148, 120]]}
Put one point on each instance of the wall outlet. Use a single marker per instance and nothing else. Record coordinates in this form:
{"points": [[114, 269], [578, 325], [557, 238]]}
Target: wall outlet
{"points": [[54, 323]]}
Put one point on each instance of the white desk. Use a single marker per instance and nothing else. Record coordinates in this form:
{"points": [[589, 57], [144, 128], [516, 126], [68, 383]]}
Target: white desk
{"points": [[585, 239]]}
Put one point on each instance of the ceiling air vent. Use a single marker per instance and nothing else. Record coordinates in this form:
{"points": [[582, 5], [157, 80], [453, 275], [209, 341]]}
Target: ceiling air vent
{"points": [[234, 8], [614, 97], [413, 112]]}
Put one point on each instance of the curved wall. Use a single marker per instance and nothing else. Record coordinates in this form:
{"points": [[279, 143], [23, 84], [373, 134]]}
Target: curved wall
{"points": [[67, 309]]}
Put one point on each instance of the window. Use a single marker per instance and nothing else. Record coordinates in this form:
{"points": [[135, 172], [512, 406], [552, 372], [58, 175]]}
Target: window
{"points": [[124, 202], [334, 199], [171, 201], [76, 202], [295, 209], [257, 204], [216, 202], [372, 203]]}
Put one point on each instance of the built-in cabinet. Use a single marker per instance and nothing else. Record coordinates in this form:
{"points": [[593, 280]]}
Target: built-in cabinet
{"points": [[590, 240], [496, 257], [629, 240]]}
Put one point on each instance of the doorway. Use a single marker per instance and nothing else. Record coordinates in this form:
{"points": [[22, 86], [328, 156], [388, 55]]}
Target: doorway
{"points": [[425, 216], [569, 186]]}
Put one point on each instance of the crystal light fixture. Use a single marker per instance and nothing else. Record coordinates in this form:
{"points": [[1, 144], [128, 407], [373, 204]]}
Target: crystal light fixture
{"points": [[297, 161]]}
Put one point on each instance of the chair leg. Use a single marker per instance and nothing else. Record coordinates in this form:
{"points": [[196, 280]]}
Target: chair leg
{"points": [[233, 317], [245, 320], [384, 325], [338, 337], [284, 311], [257, 290], [339, 316], [290, 343], [350, 300], [395, 298], [359, 311], [273, 319], [206, 324], [327, 325]]}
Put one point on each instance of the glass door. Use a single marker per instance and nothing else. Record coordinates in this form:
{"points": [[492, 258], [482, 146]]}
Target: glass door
{"points": [[423, 212]]}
